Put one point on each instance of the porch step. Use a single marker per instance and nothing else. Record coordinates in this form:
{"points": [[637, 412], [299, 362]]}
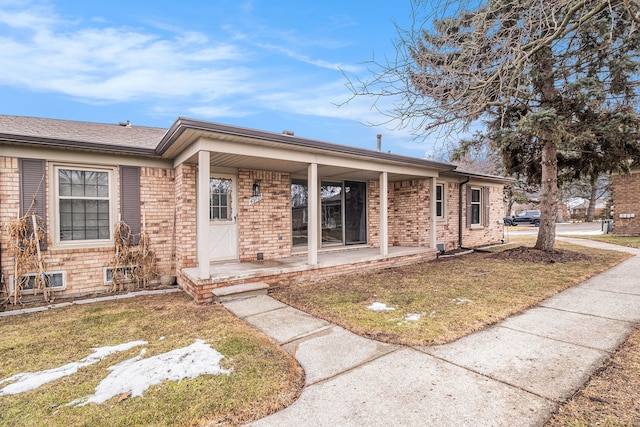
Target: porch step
{"points": [[245, 290]]}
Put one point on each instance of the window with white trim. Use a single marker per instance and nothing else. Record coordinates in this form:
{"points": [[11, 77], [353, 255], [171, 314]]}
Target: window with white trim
{"points": [[83, 204], [440, 215], [220, 193], [54, 281], [476, 206]]}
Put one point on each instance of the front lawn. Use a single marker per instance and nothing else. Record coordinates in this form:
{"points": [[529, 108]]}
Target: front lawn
{"points": [[611, 398], [632, 242], [441, 301], [257, 381]]}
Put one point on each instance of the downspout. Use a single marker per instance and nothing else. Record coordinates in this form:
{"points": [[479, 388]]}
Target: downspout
{"points": [[460, 211]]}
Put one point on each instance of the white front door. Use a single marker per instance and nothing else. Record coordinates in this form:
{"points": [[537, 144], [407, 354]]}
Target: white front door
{"points": [[223, 224]]}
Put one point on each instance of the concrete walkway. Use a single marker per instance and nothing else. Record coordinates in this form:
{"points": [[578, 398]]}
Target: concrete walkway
{"points": [[512, 374]]}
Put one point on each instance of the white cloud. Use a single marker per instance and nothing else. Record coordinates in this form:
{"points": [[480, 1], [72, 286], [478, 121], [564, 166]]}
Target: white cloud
{"points": [[33, 16], [219, 111], [165, 66], [336, 66], [116, 64]]}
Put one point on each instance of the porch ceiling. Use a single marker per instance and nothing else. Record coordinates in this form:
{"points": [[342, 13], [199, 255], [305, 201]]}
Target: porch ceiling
{"points": [[297, 169]]}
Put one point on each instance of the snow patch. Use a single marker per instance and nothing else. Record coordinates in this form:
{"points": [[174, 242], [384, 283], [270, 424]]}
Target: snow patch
{"points": [[461, 300], [26, 381], [137, 374], [413, 317], [378, 306]]}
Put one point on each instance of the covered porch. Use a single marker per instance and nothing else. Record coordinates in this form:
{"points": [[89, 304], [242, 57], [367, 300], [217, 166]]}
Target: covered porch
{"points": [[245, 202]]}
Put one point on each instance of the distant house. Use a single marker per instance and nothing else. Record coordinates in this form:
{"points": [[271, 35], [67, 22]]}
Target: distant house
{"points": [[226, 205], [577, 208], [626, 204]]}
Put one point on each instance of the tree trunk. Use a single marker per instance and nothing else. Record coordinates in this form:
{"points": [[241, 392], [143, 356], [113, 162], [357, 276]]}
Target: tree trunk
{"points": [[509, 195], [549, 200], [544, 85], [591, 210], [560, 214]]}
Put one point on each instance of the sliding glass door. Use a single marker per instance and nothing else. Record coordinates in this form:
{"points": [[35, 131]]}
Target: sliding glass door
{"points": [[343, 212], [355, 213], [331, 208], [299, 212]]}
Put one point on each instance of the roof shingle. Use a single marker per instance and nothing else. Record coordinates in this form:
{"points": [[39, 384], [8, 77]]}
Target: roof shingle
{"points": [[93, 133]]}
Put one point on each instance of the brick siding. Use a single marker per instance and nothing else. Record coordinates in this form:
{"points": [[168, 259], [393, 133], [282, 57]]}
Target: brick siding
{"points": [[84, 266], [9, 206], [373, 217], [408, 213], [626, 200], [157, 197], [185, 207], [410, 216], [484, 235], [265, 226]]}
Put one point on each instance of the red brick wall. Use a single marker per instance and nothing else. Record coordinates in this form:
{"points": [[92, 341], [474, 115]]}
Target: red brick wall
{"points": [[185, 208], [484, 235], [84, 266], [157, 197], [373, 214], [409, 213], [9, 206], [264, 226], [410, 216], [626, 200]]}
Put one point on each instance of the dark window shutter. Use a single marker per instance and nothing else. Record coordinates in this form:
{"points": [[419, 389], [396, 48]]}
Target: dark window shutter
{"points": [[468, 206], [32, 192], [487, 205], [130, 200]]}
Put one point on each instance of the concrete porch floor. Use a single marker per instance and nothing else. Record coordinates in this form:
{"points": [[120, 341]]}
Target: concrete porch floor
{"points": [[226, 272]]}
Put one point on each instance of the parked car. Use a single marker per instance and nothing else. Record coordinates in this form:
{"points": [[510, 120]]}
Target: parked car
{"points": [[524, 217]]}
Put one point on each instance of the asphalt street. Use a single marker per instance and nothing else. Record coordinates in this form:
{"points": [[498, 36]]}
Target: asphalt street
{"points": [[562, 229]]}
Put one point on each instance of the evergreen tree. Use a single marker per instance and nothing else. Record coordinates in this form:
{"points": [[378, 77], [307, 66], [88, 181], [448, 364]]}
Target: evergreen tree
{"points": [[555, 81]]}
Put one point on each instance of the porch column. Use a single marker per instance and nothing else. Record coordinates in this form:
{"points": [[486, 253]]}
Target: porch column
{"points": [[312, 215], [384, 226], [434, 218], [202, 215]]}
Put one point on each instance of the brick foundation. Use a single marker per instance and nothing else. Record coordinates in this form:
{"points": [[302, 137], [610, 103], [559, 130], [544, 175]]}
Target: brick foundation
{"points": [[201, 291]]}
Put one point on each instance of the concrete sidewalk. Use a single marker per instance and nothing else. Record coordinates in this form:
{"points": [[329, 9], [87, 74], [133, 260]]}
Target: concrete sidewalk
{"points": [[512, 374]]}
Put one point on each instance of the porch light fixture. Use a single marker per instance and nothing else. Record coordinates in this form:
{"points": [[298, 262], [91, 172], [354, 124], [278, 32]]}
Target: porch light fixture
{"points": [[256, 188]]}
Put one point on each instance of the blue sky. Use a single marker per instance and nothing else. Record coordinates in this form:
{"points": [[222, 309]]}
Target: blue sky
{"points": [[269, 65]]}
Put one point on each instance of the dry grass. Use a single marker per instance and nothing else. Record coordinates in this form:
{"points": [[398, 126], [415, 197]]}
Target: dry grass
{"points": [[259, 384], [456, 296], [632, 242], [612, 396]]}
